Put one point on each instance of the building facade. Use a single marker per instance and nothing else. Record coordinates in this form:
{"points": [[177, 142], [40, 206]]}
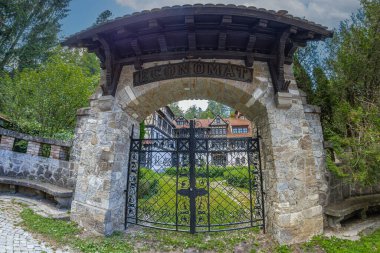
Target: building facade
{"points": [[163, 124]]}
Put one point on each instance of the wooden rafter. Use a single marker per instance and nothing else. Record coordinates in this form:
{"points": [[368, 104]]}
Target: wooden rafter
{"points": [[206, 32]]}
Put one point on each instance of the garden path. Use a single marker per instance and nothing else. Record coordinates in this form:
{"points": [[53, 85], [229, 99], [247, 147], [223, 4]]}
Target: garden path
{"points": [[13, 238]]}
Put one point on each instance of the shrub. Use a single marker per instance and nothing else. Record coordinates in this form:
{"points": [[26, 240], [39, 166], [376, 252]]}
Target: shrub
{"points": [[238, 177], [148, 183], [214, 171]]}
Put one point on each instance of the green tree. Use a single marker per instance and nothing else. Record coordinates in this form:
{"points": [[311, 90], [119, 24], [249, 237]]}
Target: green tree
{"points": [[214, 108], [142, 130], [103, 17], [345, 83], [193, 112], [44, 101], [355, 120], [303, 79], [176, 109], [28, 30]]}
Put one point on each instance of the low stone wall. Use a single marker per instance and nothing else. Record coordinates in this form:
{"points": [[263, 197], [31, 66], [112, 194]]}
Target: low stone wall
{"points": [[54, 169], [340, 189]]}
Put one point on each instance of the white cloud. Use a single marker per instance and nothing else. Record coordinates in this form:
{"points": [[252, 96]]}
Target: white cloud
{"points": [[325, 12], [186, 104]]}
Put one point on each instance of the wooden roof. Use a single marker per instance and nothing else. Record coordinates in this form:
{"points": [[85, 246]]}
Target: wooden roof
{"points": [[197, 31]]}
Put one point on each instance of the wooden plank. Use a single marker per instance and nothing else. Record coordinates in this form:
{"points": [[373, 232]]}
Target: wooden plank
{"points": [[192, 41], [253, 14], [162, 43], [204, 54], [251, 43], [222, 41], [136, 47]]}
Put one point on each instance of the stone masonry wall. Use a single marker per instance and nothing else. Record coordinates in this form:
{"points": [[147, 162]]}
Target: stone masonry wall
{"points": [[340, 189], [20, 165], [291, 159], [103, 138]]}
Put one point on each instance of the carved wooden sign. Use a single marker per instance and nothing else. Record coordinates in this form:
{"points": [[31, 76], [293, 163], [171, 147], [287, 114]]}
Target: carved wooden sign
{"points": [[193, 69]]}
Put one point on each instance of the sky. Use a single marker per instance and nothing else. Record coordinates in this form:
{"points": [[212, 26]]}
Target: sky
{"points": [[83, 14]]}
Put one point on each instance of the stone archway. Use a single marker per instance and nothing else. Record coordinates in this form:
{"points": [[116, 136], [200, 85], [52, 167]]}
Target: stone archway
{"points": [[292, 180], [260, 44]]}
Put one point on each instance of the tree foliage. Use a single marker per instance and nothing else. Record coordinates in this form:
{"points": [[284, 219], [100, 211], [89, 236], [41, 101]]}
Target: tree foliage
{"points": [[176, 109], [43, 101], [103, 17], [28, 30], [213, 109], [345, 83]]}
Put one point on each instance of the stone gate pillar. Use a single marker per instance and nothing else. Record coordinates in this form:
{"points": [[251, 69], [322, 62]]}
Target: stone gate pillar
{"points": [[292, 177], [99, 199]]}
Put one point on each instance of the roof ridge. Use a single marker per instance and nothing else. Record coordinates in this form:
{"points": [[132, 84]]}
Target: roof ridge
{"points": [[143, 12]]}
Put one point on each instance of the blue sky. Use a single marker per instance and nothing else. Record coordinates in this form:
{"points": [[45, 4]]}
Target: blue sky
{"points": [[83, 14], [327, 12]]}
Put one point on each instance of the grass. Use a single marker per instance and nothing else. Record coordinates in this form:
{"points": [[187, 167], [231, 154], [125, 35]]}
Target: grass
{"points": [[56, 230], [366, 244], [161, 207], [67, 233]]}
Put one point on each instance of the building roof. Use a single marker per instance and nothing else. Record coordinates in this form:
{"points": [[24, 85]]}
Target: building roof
{"points": [[232, 122], [208, 31]]}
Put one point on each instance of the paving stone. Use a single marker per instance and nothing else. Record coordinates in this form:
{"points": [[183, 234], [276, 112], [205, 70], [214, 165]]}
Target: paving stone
{"points": [[13, 238]]}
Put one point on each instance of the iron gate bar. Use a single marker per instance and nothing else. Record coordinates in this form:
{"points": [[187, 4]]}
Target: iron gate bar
{"points": [[188, 150], [126, 189], [261, 179], [250, 185], [176, 185], [192, 178], [138, 176], [208, 188]]}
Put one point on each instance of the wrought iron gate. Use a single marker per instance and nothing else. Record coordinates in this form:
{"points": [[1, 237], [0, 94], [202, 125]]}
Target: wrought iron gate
{"points": [[195, 183]]}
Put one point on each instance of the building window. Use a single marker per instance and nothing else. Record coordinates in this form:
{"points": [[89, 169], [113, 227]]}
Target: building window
{"points": [[218, 120], [218, 131], [239, 130], [219, 160]]}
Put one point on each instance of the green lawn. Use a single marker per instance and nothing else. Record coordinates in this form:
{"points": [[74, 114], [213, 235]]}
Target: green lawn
{"points": [[161, 206], [67, 233]]}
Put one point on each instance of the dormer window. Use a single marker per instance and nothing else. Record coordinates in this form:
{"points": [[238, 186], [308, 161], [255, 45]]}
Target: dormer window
{"points": [[239, 130]]}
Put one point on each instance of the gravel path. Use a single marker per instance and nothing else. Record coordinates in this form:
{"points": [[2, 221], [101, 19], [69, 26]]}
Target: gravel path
{"points": [[14, 238]]}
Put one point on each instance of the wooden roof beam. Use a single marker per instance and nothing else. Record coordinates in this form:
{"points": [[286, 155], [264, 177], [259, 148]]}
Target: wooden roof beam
{"points": [[153, 23], [226, 20], [222, 41], [192, 41], [122, 30], [251, 43], [136, 47], [205, 54], [189, 22], [305, 35], [112, 69], [263, 23], [162, 43]]}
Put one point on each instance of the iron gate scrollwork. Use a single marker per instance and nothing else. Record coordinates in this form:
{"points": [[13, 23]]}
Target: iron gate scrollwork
{"points": [[195, 183]]}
